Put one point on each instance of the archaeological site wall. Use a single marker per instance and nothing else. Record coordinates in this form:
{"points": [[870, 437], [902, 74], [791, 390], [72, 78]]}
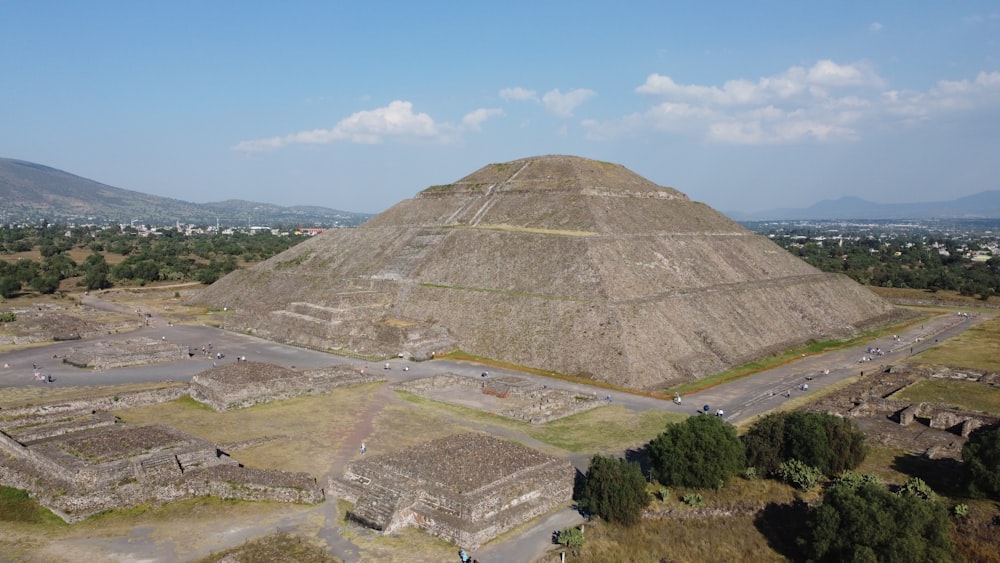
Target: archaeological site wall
{"points": [[466, 489], [244, 384]]}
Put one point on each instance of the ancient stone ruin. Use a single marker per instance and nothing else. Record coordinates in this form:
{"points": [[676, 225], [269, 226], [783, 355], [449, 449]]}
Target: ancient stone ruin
{"points": [[78, 463], [931, 429], [557, 263], [244, 384], [122, 353], [511, 397], [467, 488]]}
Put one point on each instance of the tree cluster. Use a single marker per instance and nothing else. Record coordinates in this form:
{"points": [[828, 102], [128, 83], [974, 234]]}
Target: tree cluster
{"points": [[860, 520], [918, 261], [168, 256]]}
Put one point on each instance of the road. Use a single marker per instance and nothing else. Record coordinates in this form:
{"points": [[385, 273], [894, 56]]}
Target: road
{"points": [[740, 400]]}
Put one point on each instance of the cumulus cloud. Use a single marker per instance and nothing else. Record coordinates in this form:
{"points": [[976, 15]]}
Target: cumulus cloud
{"points": [[519, 94], [394, 121], [825, 102], [563, 105], [474, 119], [947, 96]]}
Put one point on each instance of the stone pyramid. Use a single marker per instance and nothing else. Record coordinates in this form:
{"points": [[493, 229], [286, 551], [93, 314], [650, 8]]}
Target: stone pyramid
{"points": [[558, 263]]}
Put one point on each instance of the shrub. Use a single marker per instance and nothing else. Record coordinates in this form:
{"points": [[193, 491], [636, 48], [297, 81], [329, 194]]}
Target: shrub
{"points": [[570, 537], [981, 458], [701, 452], [799, 475], [916, 487], [693, 499], [615, 490], [663, 493]]}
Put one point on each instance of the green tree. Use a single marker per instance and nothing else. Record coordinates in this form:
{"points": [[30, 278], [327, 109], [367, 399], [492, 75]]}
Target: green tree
{"points": [[981, 458], [860, 520], [95, 272], [701, 452], [45, 284], [9, 286], [615, 490], [829, 443]]}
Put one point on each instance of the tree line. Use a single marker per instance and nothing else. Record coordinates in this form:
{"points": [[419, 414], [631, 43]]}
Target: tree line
{"points": [[931, 262], [119, 256]]}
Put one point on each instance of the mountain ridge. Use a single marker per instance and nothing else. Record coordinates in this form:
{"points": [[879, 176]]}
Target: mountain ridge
{"points": [[982, 205], [31, 192]]}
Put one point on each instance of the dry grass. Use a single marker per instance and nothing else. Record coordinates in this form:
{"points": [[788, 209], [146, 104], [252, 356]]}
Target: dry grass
{"points": [[941, 298], [15, 397], [730, 538], [308, 432], [976, 348], [281, 547], [966, 395]]}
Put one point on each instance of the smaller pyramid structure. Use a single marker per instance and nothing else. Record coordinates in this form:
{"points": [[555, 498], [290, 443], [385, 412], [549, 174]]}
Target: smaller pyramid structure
{"points": [[557, 263]]}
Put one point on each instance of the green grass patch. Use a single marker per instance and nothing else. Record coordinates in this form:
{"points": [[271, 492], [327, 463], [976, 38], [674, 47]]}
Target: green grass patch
{"points": [[965, 395], [812, 348], [17, 506], [603, 429]]}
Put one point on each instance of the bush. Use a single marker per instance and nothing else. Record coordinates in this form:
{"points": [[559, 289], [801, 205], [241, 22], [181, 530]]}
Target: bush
{"points": [[799, 475], [915, 486], [981, 458], [860, 520], [693, 499], [701, 452], [826, 442], [615, 490], [570, 537]]}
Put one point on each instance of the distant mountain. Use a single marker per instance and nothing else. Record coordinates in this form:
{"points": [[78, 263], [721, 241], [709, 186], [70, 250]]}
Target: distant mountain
{"points": [[984, 205], [32, 192]]}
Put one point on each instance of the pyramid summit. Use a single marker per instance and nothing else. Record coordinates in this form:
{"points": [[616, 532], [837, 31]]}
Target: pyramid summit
{"points": [[557, 263]]}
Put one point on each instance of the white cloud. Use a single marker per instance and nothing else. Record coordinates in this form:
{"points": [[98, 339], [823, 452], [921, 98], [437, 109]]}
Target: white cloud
{"points": [[474, 119], [563, 105], [796, 81], [396, 120], [826, 102], [519, 94], [875, 27]]}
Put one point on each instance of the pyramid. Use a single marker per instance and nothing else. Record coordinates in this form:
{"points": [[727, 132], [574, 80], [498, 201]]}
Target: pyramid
{"points": [[556, 263]]}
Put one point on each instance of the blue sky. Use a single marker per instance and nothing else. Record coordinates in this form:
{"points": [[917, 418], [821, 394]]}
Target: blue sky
{"points": [[745, 106]]}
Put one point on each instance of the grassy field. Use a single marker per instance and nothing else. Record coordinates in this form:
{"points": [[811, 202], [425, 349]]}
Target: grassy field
{"points": [[965, 395], [976, 348]]}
